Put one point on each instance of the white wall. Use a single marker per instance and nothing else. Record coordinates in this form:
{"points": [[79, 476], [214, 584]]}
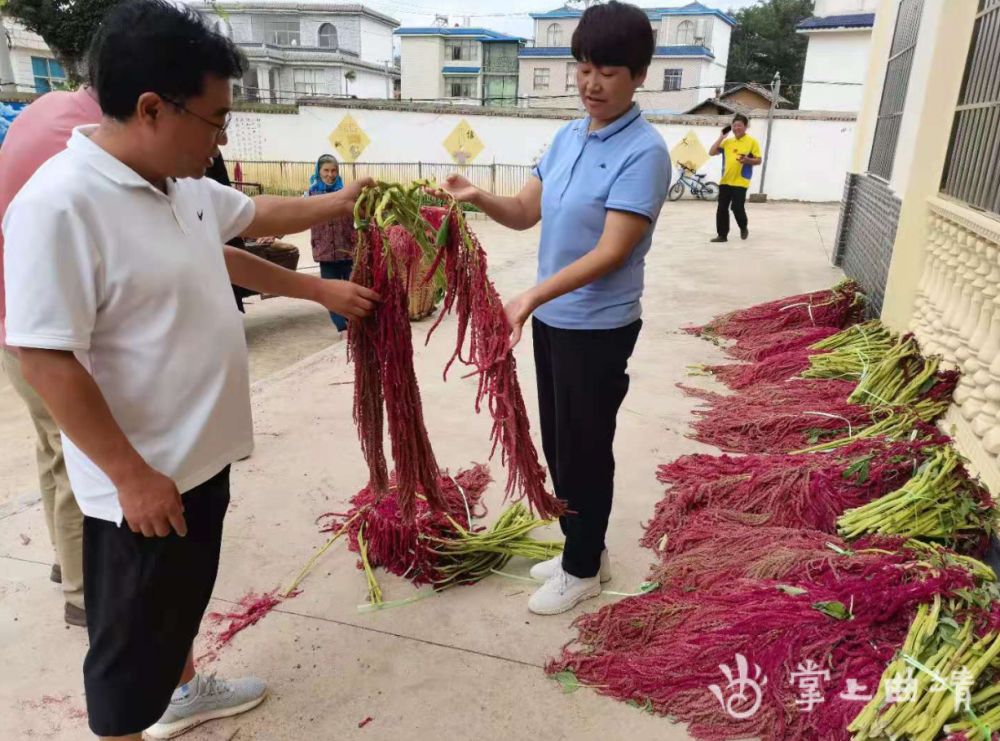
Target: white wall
{"points": [[722, 37], [844, 7], [376, 41], [568, 26], [421, 62], [25, 45], [808, 160], [369, 85], [838, 56]]}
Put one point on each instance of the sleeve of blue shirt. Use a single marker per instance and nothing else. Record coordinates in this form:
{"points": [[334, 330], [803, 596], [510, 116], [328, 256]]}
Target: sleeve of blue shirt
{"points": [[641, 187]]}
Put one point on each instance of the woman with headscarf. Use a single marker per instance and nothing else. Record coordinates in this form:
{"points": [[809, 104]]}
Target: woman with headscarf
{"points": [[333, 243]]}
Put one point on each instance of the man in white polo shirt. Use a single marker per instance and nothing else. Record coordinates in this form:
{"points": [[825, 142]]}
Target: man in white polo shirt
{"points": [[119, 298]]}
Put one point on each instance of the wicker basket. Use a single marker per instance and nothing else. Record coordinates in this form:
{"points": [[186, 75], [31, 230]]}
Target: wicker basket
{"points": [[280, 253], [421, 294]]}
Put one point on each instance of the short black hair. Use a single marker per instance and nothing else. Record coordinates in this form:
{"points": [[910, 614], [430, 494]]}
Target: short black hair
{"points": [[615, 34], [153, 46], [741, 117]]}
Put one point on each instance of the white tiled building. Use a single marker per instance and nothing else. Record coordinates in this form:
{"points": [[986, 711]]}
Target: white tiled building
{"points": [[840, 33], [468, 66], [32, 64], [689, 65], [299, 49]]}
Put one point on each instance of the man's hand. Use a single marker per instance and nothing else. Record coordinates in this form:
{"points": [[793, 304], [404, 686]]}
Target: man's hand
{"points": [[348, 196], [518, 311], [151, 504], [346, 298], [457, 187]]}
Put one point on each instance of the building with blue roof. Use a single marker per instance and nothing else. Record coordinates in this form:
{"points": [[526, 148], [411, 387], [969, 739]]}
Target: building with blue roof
{"points": [[692, 52], [468, 66], [839, 33]]}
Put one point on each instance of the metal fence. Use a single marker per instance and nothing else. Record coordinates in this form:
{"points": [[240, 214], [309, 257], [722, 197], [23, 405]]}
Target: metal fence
{"points": [[897, 79], [869, 215], [292, 178], [971, 171]]}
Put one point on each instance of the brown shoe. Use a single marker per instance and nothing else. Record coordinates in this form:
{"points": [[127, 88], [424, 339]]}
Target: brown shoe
{"points": [[56, 573], [76, 616]]}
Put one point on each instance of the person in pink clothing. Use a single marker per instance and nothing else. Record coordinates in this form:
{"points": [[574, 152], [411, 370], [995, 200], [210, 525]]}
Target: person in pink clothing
{"points": [[38, 133]]}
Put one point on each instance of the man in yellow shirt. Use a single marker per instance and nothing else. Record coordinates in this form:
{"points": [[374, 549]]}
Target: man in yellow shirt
{"points": [[740, 154]]}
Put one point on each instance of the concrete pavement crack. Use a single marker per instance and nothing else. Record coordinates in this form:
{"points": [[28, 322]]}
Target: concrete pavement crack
{"points": [[397, 635], [822, 242], [352, 625]]}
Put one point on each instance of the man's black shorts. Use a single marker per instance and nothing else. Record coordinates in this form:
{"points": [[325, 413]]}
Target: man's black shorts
{"points": [[145, 598]]}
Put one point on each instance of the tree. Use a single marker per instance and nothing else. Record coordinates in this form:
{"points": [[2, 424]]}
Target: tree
{"points": [[66, 26], [765, 42]]}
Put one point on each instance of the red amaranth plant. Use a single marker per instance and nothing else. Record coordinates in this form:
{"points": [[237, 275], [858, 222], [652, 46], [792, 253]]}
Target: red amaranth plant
{"points": [[480, 313], [664, 650], [384, 340], [399, 545], [773, 369], [755, 348], [808, 491], [777, 418], [834, 307]]}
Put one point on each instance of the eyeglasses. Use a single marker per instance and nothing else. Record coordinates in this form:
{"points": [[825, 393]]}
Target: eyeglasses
{"points": [[222, 129]]}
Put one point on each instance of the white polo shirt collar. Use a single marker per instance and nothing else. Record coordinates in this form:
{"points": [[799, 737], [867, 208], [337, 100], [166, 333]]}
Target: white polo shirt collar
{"points": [[118, 172]]}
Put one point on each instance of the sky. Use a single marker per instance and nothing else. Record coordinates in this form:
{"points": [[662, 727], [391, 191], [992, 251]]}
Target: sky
{"points": [[507, 17]]}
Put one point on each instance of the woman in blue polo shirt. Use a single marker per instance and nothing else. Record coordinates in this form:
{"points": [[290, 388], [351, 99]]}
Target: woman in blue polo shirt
{"points": [[598, 193]]}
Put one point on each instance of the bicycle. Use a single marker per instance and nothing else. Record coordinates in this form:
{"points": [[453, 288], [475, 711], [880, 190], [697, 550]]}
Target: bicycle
{"points": [[706, 191]]}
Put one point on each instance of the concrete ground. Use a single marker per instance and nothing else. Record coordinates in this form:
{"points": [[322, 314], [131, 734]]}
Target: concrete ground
{"points": [[463, 664]]}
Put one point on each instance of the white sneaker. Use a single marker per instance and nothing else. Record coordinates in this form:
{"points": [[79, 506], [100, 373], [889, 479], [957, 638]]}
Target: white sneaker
{"points": [[215, 698], [547, 569], [563, 592]]}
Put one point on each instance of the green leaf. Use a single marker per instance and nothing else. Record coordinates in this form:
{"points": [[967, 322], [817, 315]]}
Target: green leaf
{"points": [[568, 681], [837, 549], [949, 622], [834, 609], [793, 591], [646, 707], [927, 385]]}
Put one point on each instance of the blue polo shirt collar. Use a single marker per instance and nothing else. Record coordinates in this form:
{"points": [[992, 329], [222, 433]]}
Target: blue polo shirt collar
{"points": [[633, 113]]}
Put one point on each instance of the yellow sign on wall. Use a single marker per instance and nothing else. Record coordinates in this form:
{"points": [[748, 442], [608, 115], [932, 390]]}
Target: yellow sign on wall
{"points": [[463, 144], [349, 140], [689, 151]]}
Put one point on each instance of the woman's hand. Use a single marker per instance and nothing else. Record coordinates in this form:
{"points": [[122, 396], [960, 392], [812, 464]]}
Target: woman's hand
{"points": [[518, 312], [456, 186]]}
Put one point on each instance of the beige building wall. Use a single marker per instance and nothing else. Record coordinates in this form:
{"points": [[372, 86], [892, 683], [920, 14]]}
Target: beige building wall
{"points": [[542, 25], [422, 58], [932, 94], [651, 96]]}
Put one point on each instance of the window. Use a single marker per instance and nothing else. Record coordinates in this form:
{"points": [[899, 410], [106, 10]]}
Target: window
{"points": [[461, 87], [281, 33], [328, 36], [970, 172], [554, 35], [571, 76], [308, 81], [462, 51], [541, 79], [897, 79], [685, 33], [49, 75], [672, 79]]}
